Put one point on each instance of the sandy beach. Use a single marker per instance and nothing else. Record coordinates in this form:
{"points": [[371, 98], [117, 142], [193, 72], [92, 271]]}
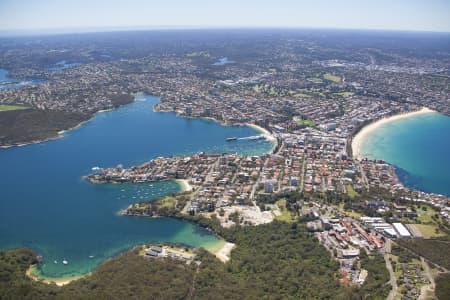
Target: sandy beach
{"points": [[359, 139], [185, 186], [57, 281], [267, 133], [259, 128], [223, 254]]}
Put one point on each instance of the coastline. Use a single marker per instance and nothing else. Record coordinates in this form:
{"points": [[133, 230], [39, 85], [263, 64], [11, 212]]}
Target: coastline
{"points": [[222, 250], [224, 253], [31, 273], [269, 136], [60, 134], [184, 184], [359, 139], [259, 128]]}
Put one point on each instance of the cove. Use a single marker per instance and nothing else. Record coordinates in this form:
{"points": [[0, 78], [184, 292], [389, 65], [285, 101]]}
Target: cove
{"points": [[419, 147], [47, 206]]}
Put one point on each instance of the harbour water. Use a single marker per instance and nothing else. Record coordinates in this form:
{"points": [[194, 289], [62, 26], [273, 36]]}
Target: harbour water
{"points": [[7, 82], [46, 205], [61, 65], [419, 147]]}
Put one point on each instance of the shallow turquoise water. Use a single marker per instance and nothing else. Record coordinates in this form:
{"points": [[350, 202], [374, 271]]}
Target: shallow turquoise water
{"points": [[46, 205], [419, 147]]}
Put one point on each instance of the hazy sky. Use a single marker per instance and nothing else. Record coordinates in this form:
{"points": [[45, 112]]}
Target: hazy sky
{"points": [[431, 15]]}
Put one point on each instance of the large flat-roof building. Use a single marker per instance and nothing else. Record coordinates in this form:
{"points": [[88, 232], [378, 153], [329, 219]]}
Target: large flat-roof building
{"points": [[401, 229]]}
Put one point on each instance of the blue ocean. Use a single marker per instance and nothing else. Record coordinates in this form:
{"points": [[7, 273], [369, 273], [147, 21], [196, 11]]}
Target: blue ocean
{"points": [[419, 147]]}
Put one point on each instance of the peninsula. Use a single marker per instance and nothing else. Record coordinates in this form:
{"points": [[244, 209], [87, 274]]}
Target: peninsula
{"points": [[310, 217]]}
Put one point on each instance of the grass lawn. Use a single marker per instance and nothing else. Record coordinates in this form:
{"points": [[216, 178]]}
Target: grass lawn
{"points": [[424, 216], [257, 88], [168, 202], [315, 80], [429, 231], [308, 123], [350, 191], [333, 78], [351, 213], [301, 95], [285, 214], [11, 107], [199, 54], [344, 94]]}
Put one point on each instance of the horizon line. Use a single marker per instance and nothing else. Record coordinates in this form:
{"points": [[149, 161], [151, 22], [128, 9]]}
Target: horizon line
{"points": [[105, 29]]}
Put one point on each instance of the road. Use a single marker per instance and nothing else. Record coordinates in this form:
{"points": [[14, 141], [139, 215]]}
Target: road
{"points": [[252, 194], [212, 168], [392, 281], [428, 289], [363, 176], [303, 175]]}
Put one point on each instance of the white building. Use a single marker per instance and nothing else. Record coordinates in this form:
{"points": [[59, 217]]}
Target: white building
{"points": [[401, 230]]}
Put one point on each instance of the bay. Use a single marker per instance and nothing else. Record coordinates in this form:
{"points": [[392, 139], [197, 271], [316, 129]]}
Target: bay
{"points": [[418, 146], [47, 206]]}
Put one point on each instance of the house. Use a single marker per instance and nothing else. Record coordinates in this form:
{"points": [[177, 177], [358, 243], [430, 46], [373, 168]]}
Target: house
{"points": [[151, 253], [375, 204], [156, 249], [350, 253], [400, 208]]}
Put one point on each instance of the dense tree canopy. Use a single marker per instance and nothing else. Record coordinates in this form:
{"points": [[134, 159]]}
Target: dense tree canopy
{"points": [[272, 261]]}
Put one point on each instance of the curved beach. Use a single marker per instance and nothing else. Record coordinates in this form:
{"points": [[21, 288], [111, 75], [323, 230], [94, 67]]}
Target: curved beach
{"points": [[359, 139], [221, 249], [184, 184], [269, 136], [259, 128], [32, 273]]}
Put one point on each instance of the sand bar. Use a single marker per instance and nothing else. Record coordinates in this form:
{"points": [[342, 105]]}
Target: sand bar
{"points": [[359, 139]]}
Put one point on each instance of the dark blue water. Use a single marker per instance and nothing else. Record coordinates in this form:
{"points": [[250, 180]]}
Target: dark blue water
{"points": [[46, 205], [7, 83], [419, 146]]}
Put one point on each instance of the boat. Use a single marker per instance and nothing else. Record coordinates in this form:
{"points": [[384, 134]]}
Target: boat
{"points": [[91, 256], [257, 137], [231, 139], [55, 261], [65, 262]]}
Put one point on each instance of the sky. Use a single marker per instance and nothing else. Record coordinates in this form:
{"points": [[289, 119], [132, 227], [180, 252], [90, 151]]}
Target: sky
{"points": [[75, 15]]}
